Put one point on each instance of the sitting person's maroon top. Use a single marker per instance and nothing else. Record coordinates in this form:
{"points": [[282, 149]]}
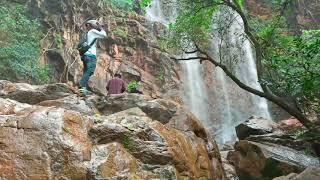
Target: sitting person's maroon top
{"points": [[116, 85]]}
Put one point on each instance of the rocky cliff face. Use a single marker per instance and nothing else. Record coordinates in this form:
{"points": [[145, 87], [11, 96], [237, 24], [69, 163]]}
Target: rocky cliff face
{"points": [[303, 14], [130, 47], [59, 135]]}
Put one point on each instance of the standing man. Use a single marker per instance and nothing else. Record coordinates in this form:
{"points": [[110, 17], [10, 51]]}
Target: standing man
{"points": [[89, 58], [116, 86]]}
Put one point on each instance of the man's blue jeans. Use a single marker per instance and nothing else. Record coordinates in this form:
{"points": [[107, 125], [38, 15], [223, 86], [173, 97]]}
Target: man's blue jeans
{"points": [[89, 65]]}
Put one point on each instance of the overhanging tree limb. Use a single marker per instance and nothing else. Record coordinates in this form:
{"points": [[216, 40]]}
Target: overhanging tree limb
{"points": [[268, 95]]}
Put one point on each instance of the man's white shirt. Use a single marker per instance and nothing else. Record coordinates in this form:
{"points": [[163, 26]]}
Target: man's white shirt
{"points": [[93, 34]]}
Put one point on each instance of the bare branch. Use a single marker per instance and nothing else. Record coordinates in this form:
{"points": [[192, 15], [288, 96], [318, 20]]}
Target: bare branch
{"points": [[189, 58]]}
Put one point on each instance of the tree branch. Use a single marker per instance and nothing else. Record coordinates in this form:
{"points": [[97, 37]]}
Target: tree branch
{"points": [[267, 94]]}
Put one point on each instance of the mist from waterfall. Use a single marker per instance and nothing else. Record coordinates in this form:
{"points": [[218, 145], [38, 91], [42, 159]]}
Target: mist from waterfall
{"points": [[195, 94]]}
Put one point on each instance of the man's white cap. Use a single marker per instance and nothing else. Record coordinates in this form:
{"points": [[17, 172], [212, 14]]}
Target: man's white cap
{"points": [[92, 22]]}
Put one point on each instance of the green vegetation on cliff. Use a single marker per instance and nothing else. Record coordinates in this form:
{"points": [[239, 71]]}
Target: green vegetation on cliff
{"points": [[19, 46]]}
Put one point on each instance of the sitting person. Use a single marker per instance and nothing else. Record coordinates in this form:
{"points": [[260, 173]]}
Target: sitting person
{"points": [[116, 86]]}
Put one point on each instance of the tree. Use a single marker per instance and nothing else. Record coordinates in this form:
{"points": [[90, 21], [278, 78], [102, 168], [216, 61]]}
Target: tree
{"points": [[192, 28]]}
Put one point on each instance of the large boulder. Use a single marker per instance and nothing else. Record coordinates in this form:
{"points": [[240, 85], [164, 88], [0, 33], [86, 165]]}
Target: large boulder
{"points": [[153, 143], [72, 102], [164, 111], [254, 160], [42, 142], [254, 126], [311, 173], [283, 139], [33, 94], [282, 133]]}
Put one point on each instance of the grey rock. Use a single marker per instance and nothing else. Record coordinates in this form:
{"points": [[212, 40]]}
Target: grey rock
{"points": [[254, 126]]}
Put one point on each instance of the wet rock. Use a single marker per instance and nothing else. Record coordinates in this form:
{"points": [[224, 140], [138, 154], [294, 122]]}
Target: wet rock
{"points": [[254, 126], [304, 14], [33, 94], [254, 160]]}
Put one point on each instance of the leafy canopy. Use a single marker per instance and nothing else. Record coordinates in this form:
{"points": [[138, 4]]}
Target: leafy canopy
{"points": [[20, 44], [294, 66]]}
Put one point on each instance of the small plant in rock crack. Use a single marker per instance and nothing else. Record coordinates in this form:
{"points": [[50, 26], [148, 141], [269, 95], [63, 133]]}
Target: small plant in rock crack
{"points": [[132, 86], [160, 77], [126, 142], [58, 40]]}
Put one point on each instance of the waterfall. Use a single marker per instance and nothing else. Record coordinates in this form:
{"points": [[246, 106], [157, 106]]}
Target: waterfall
{"points": [[230, 46], [154, 13], [226, 105], [195, 94]]}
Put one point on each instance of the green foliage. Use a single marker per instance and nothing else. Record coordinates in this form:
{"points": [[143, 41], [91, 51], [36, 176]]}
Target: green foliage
{"points": [[58, 40], [145, 3], [19, 52], [118, 31], [308, 135], [294, 67], [126, 5], [132, 86], [192, 25], [239, 3], [126, 142], [160, 77]]}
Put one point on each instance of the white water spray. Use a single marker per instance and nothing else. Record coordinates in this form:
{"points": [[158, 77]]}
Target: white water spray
{"points": [[195, 94]]}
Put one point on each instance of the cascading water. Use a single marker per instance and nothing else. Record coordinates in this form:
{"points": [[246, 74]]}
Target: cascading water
{"points": [[195, 95], [154, 13], [230, 46]]}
